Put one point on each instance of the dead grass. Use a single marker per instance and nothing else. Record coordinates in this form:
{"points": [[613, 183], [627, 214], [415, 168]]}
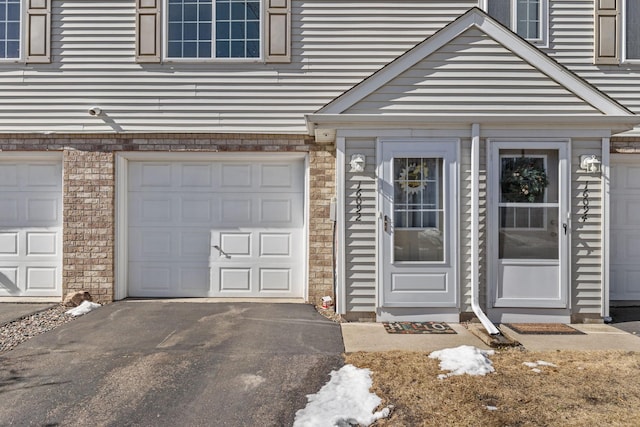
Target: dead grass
{"points": [[585, 389]]}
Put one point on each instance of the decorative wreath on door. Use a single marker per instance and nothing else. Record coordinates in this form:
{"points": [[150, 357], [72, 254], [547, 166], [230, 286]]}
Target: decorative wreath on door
{"points": [[413, 178], [523, 180]]}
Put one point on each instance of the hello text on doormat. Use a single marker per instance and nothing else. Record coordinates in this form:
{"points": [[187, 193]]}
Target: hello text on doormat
{"points": [[418, 328]]}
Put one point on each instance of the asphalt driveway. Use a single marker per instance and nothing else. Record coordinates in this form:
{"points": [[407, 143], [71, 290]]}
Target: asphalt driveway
{"points": [[160, 363]]}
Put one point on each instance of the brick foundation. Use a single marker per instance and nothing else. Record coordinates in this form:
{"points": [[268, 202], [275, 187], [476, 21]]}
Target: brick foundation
{"points": [[89, 189]]}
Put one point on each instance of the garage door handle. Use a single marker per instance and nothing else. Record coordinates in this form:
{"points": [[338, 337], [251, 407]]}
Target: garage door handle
{"points": [[226, 255]]}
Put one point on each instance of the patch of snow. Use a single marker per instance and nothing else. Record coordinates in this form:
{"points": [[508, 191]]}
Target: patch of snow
{"points": [[83, 308], [534, 365], [465, 359], [344, 401], [491, 408]]}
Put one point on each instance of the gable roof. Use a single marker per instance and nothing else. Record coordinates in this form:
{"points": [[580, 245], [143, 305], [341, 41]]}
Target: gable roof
{"points": [[408, 86]]}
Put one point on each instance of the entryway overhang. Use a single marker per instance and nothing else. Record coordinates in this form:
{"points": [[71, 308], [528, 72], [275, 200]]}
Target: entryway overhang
{"points": [[474, 78]]}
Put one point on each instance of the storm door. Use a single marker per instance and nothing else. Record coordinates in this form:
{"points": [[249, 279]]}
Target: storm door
{"points": [[529, 225], [418, 224]]}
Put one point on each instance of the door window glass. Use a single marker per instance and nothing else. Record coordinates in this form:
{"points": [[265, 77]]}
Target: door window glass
{"points": [[418, 209], [528, 206]]}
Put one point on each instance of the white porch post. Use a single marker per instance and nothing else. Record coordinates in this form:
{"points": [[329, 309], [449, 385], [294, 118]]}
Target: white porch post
{"points": [[606, 187]]}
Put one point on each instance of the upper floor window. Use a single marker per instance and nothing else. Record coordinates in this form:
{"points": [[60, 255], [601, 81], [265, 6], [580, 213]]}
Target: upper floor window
{"points": [[528, 18], [213, 29], [10, 24], [25, 31], [631, 14]]}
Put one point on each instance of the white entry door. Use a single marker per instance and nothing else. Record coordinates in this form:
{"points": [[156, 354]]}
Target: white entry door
{"points": [[529, 225], [30, 227], [216, 228], [418, 224]]}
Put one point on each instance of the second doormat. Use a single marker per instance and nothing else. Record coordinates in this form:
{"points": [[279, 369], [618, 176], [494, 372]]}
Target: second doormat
{"points": [[418, 328], [543, 329]]}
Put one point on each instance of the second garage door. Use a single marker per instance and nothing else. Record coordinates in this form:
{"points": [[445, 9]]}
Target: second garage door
{"points": [[218, 228]]}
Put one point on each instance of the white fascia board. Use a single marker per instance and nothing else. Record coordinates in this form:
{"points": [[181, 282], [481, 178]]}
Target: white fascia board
{"points": [[617, 123]]}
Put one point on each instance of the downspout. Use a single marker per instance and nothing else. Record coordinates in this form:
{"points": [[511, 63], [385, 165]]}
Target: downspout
{"points": [[475, 226]]}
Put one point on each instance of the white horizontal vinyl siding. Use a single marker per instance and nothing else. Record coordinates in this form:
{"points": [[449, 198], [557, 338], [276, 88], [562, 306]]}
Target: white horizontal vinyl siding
{"points": [[572, 38], [586, 235], [360, 235], [471, 74], [335, 45]]}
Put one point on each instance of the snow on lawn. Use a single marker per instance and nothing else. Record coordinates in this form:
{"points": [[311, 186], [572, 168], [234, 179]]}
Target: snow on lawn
{"points": [[344, 401], [534, 365], [465, 359]]}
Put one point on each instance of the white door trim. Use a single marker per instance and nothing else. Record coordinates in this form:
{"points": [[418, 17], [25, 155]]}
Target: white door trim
{"points": [[493, 145], [453, 252], [121, 259]]}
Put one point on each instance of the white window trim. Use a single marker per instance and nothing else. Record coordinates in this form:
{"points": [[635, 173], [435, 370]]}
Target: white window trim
{"points": [[21, 59], [165, 40], [543, 40], [623, 37]]}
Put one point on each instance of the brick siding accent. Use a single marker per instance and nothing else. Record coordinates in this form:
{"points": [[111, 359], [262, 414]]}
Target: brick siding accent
{"points": [[321, 237], [89, 190], [88, 227]]}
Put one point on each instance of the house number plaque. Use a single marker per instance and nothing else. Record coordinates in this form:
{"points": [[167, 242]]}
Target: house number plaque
{"points": [[585, 202], [359, 202]]}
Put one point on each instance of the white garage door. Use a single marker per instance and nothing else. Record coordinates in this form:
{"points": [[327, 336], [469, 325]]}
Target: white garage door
{"points": [[227, 229], [625, 228], [30, 227]]}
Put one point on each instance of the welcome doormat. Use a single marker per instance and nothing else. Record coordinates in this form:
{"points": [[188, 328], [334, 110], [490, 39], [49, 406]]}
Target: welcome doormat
{"points": [[543, 329], [418, 328]]}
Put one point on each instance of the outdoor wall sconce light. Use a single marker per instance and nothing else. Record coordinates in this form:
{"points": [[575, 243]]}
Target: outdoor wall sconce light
{"points": [[590, 163], [357, 162]]}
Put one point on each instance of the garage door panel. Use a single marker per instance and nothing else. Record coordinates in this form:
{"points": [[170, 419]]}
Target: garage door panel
{"points": [[154, 175], [196, 176], [9, 214], [275, 244], [9, 243], [39, 175], [236, 243], [194, 245], [42, 243], [236, 209], [275, 279], [233, 280], [196, 210], [30, 228], [9, 279], [280, 176], [236, 176], [8, 176], [252, 210], [41, 278]]}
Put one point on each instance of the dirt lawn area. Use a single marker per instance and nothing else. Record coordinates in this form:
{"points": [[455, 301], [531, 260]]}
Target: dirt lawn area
{"points": [[583, 389]]}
